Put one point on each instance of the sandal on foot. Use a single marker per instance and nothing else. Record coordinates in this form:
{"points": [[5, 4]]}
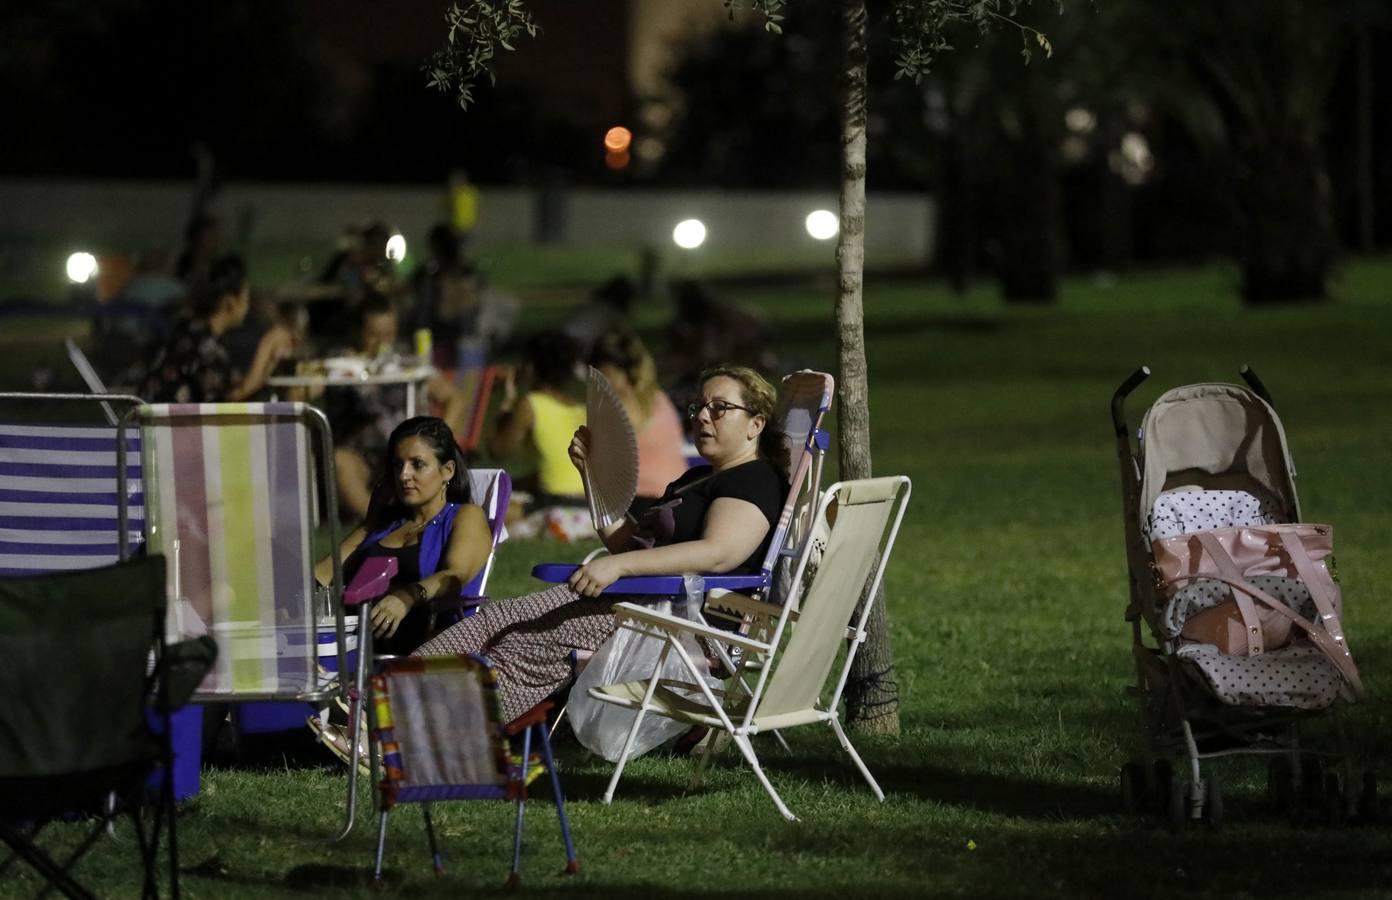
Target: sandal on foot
{"points": [[335, 737]]}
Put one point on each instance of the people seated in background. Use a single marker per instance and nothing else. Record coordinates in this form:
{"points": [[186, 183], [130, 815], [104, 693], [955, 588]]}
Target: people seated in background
{"points": [[716, 518], [628, 366], [705, 331], [542, 406], [193, 366], [152, 283], [606, 311], [129, 329], [358, 267], [446, 292], [203, 244], [362, 416], [426, 519]]}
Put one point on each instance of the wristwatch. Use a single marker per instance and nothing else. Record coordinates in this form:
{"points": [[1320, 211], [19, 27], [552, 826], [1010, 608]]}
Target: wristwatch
{"points": [[419, 593]]}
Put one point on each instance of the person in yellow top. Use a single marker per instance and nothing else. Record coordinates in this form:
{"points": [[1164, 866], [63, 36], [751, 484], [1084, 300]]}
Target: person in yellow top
{"points": [[543, 404]]}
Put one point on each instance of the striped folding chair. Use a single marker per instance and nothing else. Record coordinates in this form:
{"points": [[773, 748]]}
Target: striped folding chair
{"points": [[58, 492], [438, 722], [232, 501], [474, 378]]}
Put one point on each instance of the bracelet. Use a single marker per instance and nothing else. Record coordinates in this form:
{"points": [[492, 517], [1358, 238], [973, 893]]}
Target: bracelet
{"points": [[419, 592]]}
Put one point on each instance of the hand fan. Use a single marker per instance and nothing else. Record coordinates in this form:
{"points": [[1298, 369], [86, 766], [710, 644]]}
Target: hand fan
{"points": [[611, 470]]}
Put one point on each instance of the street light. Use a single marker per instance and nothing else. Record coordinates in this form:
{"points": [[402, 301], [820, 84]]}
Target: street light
{"points": [[81, 267], [396, 248], [823, 224], [689, 234]]}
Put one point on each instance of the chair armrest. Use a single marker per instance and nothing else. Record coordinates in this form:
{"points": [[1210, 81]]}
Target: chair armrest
{"points": [[661, 585], [534, 716], [456, 603], [372, 580], [633, 612]]}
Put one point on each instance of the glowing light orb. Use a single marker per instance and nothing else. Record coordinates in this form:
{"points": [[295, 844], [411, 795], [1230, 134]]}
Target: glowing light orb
{"points": [[617, 139], [396, 248], [823, 224], [81, 267], [689, 234]]}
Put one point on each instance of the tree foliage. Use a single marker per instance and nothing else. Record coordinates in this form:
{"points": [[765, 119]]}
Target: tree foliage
{"points": [[476, 30]]}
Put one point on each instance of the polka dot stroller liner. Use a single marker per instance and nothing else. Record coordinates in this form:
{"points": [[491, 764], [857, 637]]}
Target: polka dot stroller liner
{"points": [[1296, 676]]}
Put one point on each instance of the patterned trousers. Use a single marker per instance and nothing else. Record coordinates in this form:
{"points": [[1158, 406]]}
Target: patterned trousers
{"points": [[530, 641]]}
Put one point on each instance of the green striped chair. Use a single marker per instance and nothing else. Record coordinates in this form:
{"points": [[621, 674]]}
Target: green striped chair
{"points": [[233, 494]]}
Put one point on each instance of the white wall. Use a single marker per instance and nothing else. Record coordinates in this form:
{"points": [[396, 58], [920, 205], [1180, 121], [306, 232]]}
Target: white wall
{"points": [[132, 215]]}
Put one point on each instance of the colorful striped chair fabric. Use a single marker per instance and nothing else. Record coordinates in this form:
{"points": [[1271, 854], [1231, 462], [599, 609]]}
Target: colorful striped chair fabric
{"points": [[439, 725], [231, 502]]}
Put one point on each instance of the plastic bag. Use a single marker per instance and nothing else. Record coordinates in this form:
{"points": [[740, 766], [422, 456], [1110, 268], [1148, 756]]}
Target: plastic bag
{"points": [[629, 655]]}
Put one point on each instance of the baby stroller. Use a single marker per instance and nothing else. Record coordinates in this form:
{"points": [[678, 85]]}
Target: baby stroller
{"points": [[1210, 461]]}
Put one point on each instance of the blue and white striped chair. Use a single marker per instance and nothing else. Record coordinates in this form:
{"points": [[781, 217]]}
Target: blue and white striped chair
{"points": [[58, 487]]}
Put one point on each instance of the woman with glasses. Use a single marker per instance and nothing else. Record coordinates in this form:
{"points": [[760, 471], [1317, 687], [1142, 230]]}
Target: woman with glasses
{"points": [[716, 518]]}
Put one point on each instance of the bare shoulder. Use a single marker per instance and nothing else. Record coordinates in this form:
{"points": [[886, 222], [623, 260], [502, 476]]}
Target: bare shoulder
{"points": [[471, 522]]}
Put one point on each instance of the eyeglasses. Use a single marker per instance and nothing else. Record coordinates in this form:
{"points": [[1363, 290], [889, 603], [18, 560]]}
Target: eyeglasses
{"points": [[718, 408]]}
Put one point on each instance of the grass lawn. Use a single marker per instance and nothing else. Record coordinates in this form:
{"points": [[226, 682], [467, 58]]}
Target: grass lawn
{"points": [[1005, 593]]}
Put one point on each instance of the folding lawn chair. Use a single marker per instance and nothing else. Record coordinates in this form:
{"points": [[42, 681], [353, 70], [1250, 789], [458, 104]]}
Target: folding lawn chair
{"points": [[231, 501], [58, 499], [791, 686], [474, 378], [803, 400], [87, 674], [491, 490], [439, 726]]}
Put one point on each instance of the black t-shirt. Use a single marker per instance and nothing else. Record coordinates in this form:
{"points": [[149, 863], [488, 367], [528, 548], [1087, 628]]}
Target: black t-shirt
{"points": [[689, 497]]}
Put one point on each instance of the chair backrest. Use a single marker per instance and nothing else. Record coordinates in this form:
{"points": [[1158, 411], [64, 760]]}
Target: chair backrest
{"points": [[439, 723], [76, 647], [474, 379], [490, 489], [231, 500], [803, 400], [58, 487], [848, 571]]}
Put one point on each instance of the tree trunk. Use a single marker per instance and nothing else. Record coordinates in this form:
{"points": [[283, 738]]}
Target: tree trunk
{"points": [[1289, 244], [1365, 188], [872, 700]]}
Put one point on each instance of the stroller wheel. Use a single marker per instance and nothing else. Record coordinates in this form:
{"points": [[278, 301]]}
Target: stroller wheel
{"points": [[1335, 813], [1213, 803], [1162, 774], [1177, 805], [1133, 787], [1280, 785], [1368, 809], [1312, 782]]}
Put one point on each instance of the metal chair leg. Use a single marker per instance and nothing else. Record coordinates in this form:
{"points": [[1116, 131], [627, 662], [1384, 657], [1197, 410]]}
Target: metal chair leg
{"points": [[381, 845], [515, 876], [355, 715], [572, 864], [436, 859]]}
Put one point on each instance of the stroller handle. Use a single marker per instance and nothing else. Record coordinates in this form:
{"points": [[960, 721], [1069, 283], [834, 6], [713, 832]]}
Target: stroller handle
{"points": [[1122, 392], [1249, 375]]}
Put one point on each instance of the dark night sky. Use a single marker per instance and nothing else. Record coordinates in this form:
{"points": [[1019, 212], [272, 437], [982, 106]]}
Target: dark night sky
{"points": [[322, 89]]}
